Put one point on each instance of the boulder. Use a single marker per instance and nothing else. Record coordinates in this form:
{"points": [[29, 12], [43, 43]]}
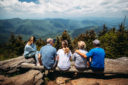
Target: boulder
{"points": [[13, 65], [61, 80], [93, 81], [32, 77], [119, 65]]}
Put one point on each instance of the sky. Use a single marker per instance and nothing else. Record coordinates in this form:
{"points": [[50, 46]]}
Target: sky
{"points": [[39, 9]]}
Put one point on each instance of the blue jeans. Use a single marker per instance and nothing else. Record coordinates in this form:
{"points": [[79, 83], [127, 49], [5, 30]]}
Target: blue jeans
{"points": [[33, 54]]}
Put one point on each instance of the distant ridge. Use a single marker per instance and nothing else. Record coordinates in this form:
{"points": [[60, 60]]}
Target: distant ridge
{"points": [[44, 28]]}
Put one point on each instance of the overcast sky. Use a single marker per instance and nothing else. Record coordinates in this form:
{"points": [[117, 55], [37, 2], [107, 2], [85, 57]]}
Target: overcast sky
{"points": [[38, 9]]}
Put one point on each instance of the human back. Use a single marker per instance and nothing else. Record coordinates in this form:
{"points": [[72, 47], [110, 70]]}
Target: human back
{"points": [[80, 62], [48, 54], [64, 54], [98, 57]]}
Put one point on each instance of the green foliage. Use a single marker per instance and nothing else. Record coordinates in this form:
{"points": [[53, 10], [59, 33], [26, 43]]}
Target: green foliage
{"points": [[40, 43], [64, 36], [108, 42], [115, 42], [58, 43], [104, 31], [13, 48], [88, 37]]}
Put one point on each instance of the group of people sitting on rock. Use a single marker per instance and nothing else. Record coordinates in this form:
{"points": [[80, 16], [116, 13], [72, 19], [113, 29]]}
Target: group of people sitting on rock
{"points": [[49, 57]]}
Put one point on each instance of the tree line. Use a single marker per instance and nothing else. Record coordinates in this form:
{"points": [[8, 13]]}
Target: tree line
{"points": [[114, 41]]}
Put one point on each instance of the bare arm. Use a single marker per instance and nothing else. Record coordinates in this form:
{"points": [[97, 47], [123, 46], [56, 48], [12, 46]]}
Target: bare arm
{"points": [[88, 62], [70, 58], [39, 56], [57, 58], [81, 54], [90, 59], [39, 59]]}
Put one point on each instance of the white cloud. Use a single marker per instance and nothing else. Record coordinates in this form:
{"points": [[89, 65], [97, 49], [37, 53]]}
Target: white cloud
{"points": [[63, 8]]}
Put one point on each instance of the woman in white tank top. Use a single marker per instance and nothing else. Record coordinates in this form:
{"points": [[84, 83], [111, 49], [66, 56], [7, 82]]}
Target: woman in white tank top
{"points": [[64, 56]]}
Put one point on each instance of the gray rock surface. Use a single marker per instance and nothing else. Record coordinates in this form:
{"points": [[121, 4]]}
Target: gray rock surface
{"points": [[112, 66], [12, 65], [119, 65], [32, 77]]}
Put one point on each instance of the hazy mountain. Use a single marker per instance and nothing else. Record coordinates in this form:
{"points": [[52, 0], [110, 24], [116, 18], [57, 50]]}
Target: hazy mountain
{"points": [[49, 27]]}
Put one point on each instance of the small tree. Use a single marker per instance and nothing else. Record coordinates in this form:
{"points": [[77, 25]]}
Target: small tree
{"points": [[40, 43], [58, 43], [104, 31], [66, 36]]}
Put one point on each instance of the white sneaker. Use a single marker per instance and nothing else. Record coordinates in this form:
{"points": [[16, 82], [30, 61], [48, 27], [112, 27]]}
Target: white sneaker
{"points": [[38, 64]]}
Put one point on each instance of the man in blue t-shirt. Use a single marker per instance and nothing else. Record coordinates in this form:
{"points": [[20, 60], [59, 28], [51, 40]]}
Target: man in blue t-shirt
{"points": [[97, 54], [48, 54]]}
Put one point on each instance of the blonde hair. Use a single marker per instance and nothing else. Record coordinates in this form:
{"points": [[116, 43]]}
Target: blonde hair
{"points": [[65, 48], [81, 45]]}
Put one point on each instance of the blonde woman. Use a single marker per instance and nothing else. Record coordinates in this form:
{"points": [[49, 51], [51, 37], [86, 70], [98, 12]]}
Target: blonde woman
{"points": [[80, 62], [64, 56], [98, 56]]}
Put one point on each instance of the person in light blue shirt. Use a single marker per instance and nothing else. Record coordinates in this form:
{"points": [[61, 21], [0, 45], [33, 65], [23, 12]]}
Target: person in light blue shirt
{"points": [[30, 50], [48, 54], [97, 54]]}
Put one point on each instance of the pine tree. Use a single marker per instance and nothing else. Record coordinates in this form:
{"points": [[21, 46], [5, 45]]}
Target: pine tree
{"points": [[115, 42], [121, 28], [88, 37], [108, 43], [81, 37], [40, 43], [122, 41], [19, 45], [66, 36], [58, 43], [14, 47], [104, 31], [11, 47]]}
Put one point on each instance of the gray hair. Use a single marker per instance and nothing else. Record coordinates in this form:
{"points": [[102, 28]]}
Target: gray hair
{"points": [[49, 40], [96, 42]]}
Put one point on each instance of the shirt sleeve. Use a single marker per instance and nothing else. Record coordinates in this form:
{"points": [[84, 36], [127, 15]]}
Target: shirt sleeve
{"points": [[28, 48], [35, 47], [89, 54], [58, 52]]}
